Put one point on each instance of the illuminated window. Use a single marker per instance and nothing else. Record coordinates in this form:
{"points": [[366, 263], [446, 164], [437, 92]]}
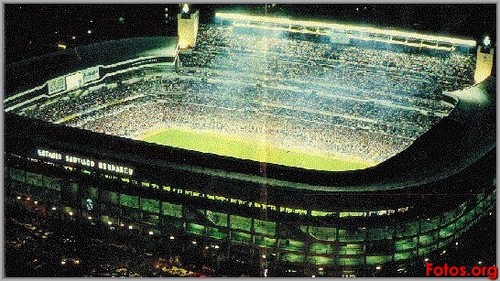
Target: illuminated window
{"points": [[220, 198], [321, 248], [241, 237], [373, 260], [354, 214], [322, 233], [172, 210], [150, 205], [195, 228], [318, 260], [242, 223], [265, 241], [217, 218], [320, 213], [215, 233], [265, 227], [129, 201], [293, 258]]}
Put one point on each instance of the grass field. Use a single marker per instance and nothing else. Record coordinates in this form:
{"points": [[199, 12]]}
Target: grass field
{"points": [[257, 150]]}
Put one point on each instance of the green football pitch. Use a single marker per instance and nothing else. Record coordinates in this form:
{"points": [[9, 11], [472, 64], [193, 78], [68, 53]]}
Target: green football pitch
{"points": [[252, 149]]}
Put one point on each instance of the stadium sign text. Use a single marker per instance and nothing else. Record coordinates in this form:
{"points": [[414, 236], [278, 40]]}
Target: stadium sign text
{"points": [[86, 162]]}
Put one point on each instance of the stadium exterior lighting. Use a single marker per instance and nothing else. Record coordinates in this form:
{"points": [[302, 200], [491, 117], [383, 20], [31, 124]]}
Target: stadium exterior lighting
{"points": [[194, 242], [185, 8], [70, 213], [54, 208], [344, 27], [487, 41], [378, 267], [36, 202], [151, 232], [110, 223], [90, 218], [130, 227], [426, 259], [18, 197], [172, 237], [89, 31]]}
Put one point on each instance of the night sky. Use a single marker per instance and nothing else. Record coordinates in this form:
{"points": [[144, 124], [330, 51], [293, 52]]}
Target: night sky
{"points": [[35, 29]]}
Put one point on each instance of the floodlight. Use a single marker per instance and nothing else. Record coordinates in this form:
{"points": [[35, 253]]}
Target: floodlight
{"points": [[487, 41], [185, 8]]}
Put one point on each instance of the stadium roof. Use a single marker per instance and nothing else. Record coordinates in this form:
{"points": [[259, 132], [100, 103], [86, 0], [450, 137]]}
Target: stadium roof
{"points": [[33, 72]]}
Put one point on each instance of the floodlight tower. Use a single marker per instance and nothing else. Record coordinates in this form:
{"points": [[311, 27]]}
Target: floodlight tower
{"points": [[484, 60], [187, 27]]}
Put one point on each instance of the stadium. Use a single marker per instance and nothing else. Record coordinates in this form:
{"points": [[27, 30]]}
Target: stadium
{"points": [[313, 147]]}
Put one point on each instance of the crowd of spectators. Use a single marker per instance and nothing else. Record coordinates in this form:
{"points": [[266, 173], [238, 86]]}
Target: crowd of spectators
{"points": [[294, 93]]}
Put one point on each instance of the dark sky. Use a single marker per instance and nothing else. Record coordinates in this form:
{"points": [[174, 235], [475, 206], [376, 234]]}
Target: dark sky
{"points": [[30, 29]]}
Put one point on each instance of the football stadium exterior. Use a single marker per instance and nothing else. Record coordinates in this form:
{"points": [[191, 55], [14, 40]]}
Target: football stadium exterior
{"points": [[415, 203]]}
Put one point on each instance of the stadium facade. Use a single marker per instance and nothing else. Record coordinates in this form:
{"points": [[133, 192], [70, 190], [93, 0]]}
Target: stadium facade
{"points": [[323, 223]]}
